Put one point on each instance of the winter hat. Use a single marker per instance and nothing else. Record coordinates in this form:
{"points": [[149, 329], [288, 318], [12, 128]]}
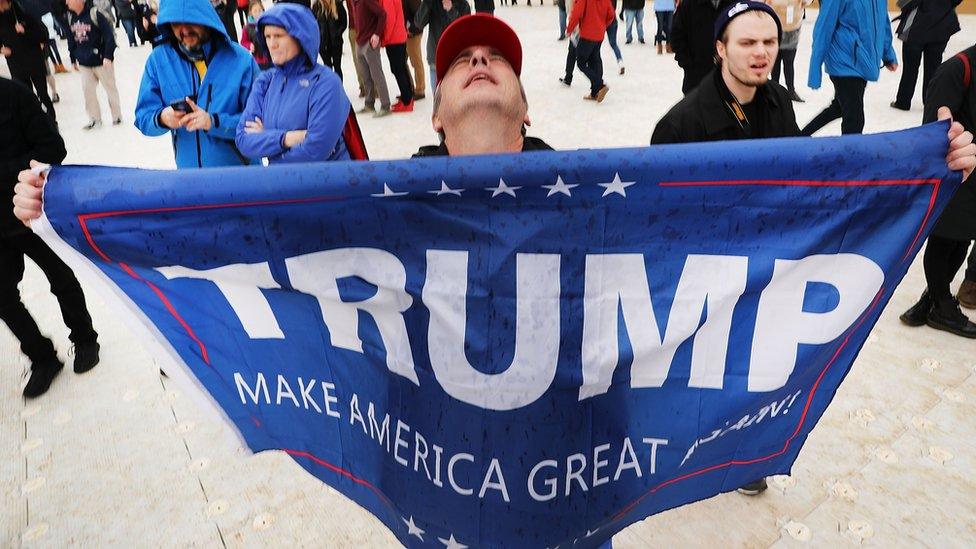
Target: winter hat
{"points": [[738, 8]]}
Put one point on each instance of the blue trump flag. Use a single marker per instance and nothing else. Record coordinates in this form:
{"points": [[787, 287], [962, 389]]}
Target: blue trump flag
{"points": [[517, 350]]}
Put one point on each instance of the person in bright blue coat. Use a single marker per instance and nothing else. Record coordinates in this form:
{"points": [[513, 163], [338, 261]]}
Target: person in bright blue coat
{"points": [[195, 86], [297, 109], [851, 40]]}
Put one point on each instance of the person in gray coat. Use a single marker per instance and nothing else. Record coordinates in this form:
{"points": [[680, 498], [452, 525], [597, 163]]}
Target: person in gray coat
{"points": [[438, 14]]}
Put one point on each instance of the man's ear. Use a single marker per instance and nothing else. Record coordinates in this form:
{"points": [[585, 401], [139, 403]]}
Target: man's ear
{"points": [[526, 121], [435, 121], [720, 49]]}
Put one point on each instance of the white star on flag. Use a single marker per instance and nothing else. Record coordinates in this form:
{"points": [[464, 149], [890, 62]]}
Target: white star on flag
{"points": [[446, 190], [616, 186], [413, 529], [559, 187], [591, 532], [502, 188], [452, 543], [387, 191]]}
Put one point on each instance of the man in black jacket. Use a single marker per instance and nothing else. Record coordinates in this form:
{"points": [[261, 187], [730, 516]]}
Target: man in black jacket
{"points": [[934, 22], [692, 39], [26, 133], [479, 104], [91, 44], [23, 39]]}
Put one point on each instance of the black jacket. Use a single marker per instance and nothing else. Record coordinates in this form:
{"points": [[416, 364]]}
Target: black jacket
{"points": [[126, 9], [705, 115], [948, 89], [26, 49], [90, 42], [935, 21], [330, 30], [432, 14], [484, 6], [634, 4], [529, 144], [25, 133], [693, 39]]}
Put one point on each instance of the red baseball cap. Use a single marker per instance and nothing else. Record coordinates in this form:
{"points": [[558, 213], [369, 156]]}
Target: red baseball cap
{"points": [[478, 29]]}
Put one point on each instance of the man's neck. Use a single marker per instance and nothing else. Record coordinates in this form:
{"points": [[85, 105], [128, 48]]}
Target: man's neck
{"points": [[743, 93], [477, 135]]}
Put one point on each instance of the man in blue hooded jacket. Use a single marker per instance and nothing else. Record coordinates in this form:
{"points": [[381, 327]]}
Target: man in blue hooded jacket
{"points": [[297, 109], [851, 40], [195, 86]]}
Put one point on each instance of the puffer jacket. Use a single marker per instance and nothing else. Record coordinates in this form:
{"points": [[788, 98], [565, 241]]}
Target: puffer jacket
{"points": [[851, 38], [170, 76], [299, 95]]}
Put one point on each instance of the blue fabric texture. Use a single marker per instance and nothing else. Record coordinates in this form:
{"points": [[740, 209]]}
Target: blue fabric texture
{"points": [[851, 38], [170, 76], [298, 95]]}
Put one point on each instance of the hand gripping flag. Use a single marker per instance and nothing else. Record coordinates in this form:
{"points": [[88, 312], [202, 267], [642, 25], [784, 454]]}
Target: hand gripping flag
{"points": [[517, 350]]}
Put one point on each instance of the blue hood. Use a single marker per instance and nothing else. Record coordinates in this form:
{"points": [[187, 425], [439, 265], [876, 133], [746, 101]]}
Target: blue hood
{"points": [[196, 12], [298, 22]]}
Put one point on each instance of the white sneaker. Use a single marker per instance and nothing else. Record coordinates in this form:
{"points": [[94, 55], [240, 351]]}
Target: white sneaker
{"points": [[620, 65]]}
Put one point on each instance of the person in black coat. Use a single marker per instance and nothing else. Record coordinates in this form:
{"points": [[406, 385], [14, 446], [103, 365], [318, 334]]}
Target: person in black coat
{"points": [[332, 19], [23, 41], [485, 6], [692, 39], [127, 11], [25, 134], [946, 248], [926, 36]]}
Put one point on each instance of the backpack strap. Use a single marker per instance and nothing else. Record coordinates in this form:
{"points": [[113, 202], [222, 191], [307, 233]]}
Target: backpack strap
{"points": [[967, 75]]}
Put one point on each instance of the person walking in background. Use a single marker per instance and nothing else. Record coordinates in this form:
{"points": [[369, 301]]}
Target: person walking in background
{"points": [[485, 6], [924, 28], [23, 41], [249, 36], [53, 52], [851, 40], [128, 17], [612, 38], [354, 46], [394, 40], [415, 36], [692, 41], [297, 109], [592, 17], [664, 13], [147, 22], [28, 134], [331, 18], [436, 15], [370, 26], [91, 46], [243, 9], [790, 13], [561, 7], [634, 12]]}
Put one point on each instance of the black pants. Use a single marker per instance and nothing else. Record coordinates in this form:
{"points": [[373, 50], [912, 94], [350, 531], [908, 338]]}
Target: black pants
{"points": [[35, 77], [570, 62], [971, 266], [396, 54], [332, 59], [785, 61], [64, 286], [911, 57], [848, 105], [942, 259], [53, 53], [589, 61]]}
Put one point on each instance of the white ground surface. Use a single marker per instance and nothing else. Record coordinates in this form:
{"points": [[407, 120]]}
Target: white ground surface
{"points": [[117, 457]]}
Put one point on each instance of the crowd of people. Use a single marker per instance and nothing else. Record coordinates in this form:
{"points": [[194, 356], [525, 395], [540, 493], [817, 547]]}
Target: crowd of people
{"points": [[275, 94]]}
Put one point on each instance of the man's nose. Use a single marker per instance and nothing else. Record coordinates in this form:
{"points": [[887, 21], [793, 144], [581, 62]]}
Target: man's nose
{"points": [[479, 57]]}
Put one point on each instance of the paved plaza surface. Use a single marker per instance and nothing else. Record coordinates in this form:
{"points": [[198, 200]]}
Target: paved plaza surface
{"points": [[120, 457]]}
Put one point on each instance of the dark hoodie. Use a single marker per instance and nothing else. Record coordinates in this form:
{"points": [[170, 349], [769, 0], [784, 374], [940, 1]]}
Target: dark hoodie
{"points": [[299, 95]]}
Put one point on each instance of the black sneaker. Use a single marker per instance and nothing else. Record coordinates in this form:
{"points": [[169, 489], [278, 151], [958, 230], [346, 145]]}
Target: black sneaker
{"points": [[899, 106], [41, 377], [117, 121], [753, 488], [86, 356], [92, 124], [919, 313], [947, 316], [641, 40], [566, 81]]}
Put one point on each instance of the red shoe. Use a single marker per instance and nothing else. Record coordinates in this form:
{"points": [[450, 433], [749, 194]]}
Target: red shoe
{"points": [[400, 107]]}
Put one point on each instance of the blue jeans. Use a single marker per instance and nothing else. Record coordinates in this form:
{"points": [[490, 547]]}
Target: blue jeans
{"points": [[612, 40], [562, 22], [433, 76], [629, 17], [130, 30]]}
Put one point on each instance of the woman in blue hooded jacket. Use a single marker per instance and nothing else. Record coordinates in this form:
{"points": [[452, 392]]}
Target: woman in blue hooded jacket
{"points": [[297, 109], [851, 40]]}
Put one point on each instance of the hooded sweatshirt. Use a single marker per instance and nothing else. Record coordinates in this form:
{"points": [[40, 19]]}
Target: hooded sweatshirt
{"points": [[851, 38], [221, 82], [299, 95]]}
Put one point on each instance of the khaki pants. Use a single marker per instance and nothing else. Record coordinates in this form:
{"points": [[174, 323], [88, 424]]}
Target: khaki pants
{"points": [[90, 76], [355, 62], [417, 62], [371, 65]]}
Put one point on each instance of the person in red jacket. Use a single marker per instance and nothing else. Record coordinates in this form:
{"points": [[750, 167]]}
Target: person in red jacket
{"points": [[370, 20], [592, 17], [395, 42]]}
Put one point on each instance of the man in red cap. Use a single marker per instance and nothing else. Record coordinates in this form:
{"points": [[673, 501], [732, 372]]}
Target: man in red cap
{"points": [[479, 104]]}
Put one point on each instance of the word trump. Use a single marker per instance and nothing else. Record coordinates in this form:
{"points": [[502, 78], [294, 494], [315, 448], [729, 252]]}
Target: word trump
{"points": [[615, 287]]}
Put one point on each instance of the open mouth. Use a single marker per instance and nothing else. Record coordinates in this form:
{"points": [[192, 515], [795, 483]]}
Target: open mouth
{"points": [[479, 76]]}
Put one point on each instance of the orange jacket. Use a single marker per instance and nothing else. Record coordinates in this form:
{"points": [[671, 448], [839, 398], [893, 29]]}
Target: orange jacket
{"points": [[593, 18]]}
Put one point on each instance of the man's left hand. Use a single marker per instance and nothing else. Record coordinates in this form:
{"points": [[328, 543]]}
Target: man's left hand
{"points": [[962, 150], [19, 28], [196, 119], [893, 67], [106, 62]]}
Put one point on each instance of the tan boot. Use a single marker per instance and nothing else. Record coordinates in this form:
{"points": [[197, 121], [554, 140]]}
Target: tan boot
{"points": [[967, 294], [59, 69], [668, 48], [660, 51]]}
